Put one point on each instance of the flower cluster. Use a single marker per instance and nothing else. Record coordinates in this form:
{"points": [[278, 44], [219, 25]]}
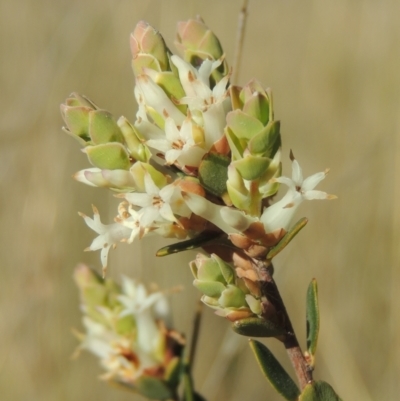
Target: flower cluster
{"points": [[202, 156], [201, 153], [126, 329]]}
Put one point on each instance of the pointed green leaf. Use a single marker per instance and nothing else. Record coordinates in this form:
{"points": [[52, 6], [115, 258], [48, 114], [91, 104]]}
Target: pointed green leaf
{"points": [[109, 156], [252, 167], [213, 173], [193, 243], [77, 120], [267, 142], [274, 372], [281, 245], [312, 320], [173, 372], [226, 269], [210, 288], [152, 388], [256, 327], [232, 297], [243, 125], [319, 391]]}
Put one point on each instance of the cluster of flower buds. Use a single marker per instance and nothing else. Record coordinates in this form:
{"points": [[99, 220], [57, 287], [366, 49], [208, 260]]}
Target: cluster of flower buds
{"points": [[203, 156], [126, 329]]}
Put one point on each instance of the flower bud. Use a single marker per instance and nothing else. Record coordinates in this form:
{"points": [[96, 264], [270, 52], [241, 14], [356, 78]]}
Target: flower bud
{"points": [[222, 289], [148, 49], [198, 43]]}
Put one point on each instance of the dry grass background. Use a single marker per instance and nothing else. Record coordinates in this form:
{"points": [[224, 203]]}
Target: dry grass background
{"points": [[334, 68]]}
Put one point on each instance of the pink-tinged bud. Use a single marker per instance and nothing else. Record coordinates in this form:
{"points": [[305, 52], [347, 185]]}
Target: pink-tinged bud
{"points": [[198, 43], [148, 49]]}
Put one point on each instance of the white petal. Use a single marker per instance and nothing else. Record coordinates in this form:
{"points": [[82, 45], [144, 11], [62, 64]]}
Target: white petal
{"points": [[314, 194], [156, 98], [312, 181], [139, 199], [297, 174], [150, 186], [166, 212]]}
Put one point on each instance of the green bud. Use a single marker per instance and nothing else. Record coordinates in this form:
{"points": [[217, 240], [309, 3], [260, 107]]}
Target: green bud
{"points": [[77, 121], [75, 113]]}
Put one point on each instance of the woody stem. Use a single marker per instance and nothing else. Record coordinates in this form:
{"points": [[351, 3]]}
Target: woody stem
{"points": [[270, 291]]}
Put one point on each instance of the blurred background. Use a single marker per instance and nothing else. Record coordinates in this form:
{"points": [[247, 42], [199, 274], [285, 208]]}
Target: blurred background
{"points": [[334, 70]]}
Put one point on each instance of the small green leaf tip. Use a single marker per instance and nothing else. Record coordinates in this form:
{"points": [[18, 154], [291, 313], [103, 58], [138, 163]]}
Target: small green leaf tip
{"points": [[274, 372], [319, 391], [312, 321], [281, 245]]}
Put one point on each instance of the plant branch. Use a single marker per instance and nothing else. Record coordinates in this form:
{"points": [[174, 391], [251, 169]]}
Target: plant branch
{"points": [[270, 291]]}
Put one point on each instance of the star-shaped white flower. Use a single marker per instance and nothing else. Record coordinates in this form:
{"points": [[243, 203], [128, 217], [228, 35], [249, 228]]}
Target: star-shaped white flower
{"points": [[158, 205], [109, 235], [138, 303], [179, 143], [196, 83], [280, 214], [275, 217]]}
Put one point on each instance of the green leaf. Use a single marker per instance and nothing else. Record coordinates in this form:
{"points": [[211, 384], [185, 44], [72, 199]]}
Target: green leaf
{"points": [[281, 245], [77, 120], [243, 125], [267, 142], [108, 156], [193, 243], [274, 372], [312, 320], [319, 391], [213, 173], [152, 388], [210, 288], [252, 167], [256, 327], [103, 128], [173, 372]]}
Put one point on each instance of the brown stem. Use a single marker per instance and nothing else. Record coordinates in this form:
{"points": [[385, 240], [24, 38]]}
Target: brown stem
{"points": [[270, 291]]}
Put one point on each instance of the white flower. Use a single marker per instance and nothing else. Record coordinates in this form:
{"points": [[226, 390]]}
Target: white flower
{"points": [[275, 217], [158, 205], [207, 106], [109, 235], [118, 354], [179, 144], [150, 96], [196, 84], [279, 215], [138, 303]]}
